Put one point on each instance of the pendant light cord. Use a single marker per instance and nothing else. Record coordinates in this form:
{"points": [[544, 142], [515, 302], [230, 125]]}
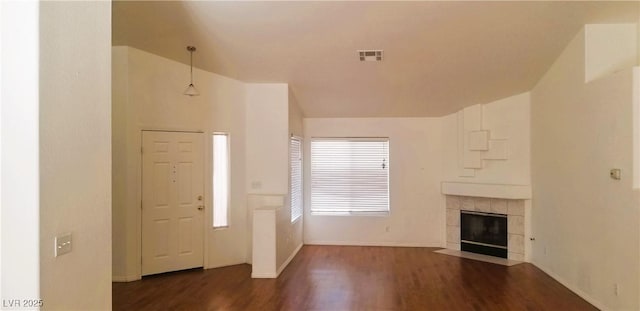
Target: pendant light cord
{"points": [[191, 89], [191, 66]]}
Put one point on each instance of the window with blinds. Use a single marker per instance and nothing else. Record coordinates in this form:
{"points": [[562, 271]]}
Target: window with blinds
{"points": [[295, 159], [349, 175]]}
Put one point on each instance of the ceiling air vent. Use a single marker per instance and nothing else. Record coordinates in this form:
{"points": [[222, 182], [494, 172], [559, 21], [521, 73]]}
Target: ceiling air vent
{"points": [[370, 55]]}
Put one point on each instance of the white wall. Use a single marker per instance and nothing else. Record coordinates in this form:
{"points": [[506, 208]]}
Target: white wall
{"points": [[147, 94], [19, 189], [227, 246], [289, 235], [586, 224], [505, 119], [424, 152], [267, 138], [267, 147], [609, 47], [417, 216], [75, 154]]}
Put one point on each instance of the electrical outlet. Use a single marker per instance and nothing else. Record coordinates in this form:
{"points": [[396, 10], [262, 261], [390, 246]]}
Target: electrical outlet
{"points": [[387, 229], [62, 244], [615, 289]]}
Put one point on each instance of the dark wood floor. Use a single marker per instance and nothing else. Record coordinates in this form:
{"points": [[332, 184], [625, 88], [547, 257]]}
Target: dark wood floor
{"points": [[355, 278]]}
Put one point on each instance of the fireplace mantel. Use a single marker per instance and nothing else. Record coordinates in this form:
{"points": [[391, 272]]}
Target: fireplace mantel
{"points": [[487, 190]]}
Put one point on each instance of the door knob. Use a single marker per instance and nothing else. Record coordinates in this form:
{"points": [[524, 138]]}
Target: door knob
{"points": [[199, 198], [201, 207]]}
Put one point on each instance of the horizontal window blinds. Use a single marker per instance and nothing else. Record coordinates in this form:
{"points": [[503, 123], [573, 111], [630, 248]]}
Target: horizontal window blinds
{"points": [[350, 175], [295, 157]]}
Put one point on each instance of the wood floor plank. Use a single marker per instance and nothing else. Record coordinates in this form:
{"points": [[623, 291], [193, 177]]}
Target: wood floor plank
{"points": [[355, 278]]}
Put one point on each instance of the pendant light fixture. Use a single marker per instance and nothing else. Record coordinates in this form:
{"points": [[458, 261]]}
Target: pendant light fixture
{"points": [[191, 89]]}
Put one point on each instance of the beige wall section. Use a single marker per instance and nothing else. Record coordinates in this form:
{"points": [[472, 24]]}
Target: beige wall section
{"points": [[119, 85], [506, 119], [147, 94], [296, 116], [267, 146], [75, 154], [227, 246], [417, 216], [289, 235], [609, 48], [586, 224]]}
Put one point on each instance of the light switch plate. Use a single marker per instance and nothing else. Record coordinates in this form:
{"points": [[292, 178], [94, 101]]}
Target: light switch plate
{"points": [[62, 244]]}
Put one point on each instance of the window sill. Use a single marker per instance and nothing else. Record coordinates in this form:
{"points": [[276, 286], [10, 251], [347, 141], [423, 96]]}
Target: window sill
{"points": [[365, 214]]}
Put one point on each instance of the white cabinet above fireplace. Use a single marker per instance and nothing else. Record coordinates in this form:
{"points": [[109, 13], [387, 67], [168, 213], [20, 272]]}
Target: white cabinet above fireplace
{"points": [[487, 190]]}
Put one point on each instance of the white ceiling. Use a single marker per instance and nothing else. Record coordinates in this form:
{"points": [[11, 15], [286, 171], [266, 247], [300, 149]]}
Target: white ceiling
{"points": [[439, 56]]}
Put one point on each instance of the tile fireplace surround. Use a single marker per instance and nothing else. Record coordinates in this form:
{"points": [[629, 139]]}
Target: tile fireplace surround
{"points": [[513, 208]]}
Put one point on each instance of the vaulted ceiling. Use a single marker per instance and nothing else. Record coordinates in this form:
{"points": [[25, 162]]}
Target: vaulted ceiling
{"points": [[438, 56]]}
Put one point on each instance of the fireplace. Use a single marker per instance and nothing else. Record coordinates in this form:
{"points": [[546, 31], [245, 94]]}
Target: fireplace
{"points": [[483, 233], [516, 211]]}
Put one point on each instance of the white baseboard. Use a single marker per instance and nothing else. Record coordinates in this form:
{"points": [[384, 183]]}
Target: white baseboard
{"points": [[571, 287], [263, 275], [286, 262], [358, 243], [225, 264], [128, 278]]}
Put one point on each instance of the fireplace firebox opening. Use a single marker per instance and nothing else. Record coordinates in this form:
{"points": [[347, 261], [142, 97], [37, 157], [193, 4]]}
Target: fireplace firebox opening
{"points": [[483, 233]]}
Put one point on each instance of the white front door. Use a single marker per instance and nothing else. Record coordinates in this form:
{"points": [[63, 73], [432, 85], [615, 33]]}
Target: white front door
{"points": [[172, 201]]}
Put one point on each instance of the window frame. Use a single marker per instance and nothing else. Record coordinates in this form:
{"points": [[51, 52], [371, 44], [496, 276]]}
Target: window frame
{"points": [[372, 212], [228, 181], [301, 194]]}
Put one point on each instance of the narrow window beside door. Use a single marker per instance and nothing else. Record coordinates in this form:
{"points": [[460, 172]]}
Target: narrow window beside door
{"points": [[295, 187], [220, 180]]}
